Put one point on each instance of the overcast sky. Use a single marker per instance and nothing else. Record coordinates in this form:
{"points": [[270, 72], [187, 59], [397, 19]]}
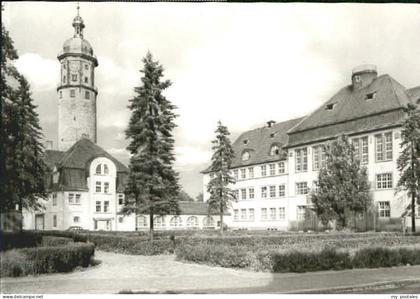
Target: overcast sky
{"points": [[243, 64]]}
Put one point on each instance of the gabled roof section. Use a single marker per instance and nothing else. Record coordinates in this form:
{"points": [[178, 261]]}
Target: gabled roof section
{"points": [[82, 152], [348, 104], [258, 143], [195, 208], [52, 157]]}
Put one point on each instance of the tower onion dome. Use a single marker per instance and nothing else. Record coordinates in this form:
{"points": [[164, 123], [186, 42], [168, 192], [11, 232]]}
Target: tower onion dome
{"points": [[77, 44]]}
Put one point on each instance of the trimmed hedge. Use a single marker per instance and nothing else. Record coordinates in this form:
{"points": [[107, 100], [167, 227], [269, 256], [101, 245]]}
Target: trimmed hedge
{"points": [[51, 241], [19, 262], [11, 240], [297, 261]]}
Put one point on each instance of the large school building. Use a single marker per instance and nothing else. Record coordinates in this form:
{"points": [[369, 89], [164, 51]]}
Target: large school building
{"points": [[276, 165]]}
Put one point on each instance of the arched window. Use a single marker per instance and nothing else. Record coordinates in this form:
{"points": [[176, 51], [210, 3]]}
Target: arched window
{"points": [[141, 222], [274, 150], [106, 171], [192, 221], [245, 156], [159, 221], [98, 169], [175, 221], [208, 221]]}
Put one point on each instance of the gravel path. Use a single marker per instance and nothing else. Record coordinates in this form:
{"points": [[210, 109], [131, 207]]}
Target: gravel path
{"points": [[152, 274]]}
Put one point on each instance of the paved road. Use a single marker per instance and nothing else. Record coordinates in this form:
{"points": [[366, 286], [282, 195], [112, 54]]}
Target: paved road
{"points": [[162, 274]]}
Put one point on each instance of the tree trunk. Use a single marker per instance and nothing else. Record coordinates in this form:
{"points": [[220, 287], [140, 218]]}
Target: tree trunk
{"points": [[413, 193], [151, 224], [221, 219]]}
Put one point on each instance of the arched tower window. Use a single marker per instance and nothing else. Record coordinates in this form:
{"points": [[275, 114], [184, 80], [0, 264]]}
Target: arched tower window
{"points": [[98, 169], [175, 221], [208, 221], [192, 221], [106, 170]]}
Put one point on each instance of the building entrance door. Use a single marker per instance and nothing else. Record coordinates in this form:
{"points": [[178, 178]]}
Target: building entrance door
{"points": [[39, 222]]}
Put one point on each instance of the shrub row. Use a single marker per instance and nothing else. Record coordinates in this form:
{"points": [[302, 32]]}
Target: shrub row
{"points": [[297, 261], [19, 262], [51, 241], [10, 240]]}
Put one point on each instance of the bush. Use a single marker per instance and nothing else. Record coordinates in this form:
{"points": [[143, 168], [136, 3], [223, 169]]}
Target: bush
{"points": [[386, 257], [55, 241], [11, 240], [39, 260]]}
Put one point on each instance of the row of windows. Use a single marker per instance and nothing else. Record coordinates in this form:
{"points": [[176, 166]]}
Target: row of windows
{"points": [[383, 152], [266, 214], [271, 169], [73, 94], [383, 181], [86, 66], [175, 221], [74, 78]]}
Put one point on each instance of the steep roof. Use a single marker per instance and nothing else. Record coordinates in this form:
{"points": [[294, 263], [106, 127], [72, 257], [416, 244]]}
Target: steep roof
{"points": [[195, 208], [414, 94], [258, 143], [353, 112], [83, 151], [52, 157]]}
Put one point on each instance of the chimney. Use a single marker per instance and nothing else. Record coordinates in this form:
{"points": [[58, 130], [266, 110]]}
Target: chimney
{"points": [[270, 123], [48, 144], [363, 75]]}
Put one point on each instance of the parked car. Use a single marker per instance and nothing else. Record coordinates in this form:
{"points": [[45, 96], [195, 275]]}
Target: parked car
{"points": [[76, 229]]}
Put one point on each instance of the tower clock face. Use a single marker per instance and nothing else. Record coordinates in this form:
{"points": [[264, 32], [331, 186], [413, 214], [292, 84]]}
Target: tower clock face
{"points": [[74, 66]]}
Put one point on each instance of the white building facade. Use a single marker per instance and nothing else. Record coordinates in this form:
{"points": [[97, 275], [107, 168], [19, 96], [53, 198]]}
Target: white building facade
{"points": [[277, 166]]}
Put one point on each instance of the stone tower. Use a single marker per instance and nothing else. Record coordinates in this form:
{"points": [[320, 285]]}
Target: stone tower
{"points": [[76, 91]]}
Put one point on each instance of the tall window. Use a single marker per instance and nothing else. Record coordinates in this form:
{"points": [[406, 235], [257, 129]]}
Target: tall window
{"points": [[192, 221], [264, 214], [301, 188], [77, 199], [98, 187], [243, 193], [384, 181], [76, 219], [361, 149], [263, 192], [159, 222], [251, 214], [54, 199], [72, 93], [236, 214], [281, 168], [71, 198], [243, 173], [273, 215], [106, 187], [54, 220], [106, 206], [384, 209], [106, 170], [120, 199], [272, 167], [175, 221], [236, 194], [383, 147], [243, 214], [319, 157], [208, 221], [264, 170], [282, 213], [301, 159], [73, 77], [251, 194], [272, 191], [141, 222], [282, 190], [87, 95], [300, 213], [235, 174], [98, 206], [86, 80], [98, 169], [61, 94], [64, 79], [251, 172]]}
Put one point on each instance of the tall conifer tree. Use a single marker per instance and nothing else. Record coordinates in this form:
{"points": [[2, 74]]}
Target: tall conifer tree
{"points": [[22, 165], [152, 186], [219, 187], [409, 161]]}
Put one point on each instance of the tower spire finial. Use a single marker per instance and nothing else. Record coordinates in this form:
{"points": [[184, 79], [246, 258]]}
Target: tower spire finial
{"points": [[78, 8], [78, 23]]}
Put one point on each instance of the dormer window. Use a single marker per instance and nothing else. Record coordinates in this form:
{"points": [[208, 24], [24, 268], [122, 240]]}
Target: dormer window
{"points": [[370, 96], [245, 141], [356, 78], [274, 150], [245, 156], [330, 106]]}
